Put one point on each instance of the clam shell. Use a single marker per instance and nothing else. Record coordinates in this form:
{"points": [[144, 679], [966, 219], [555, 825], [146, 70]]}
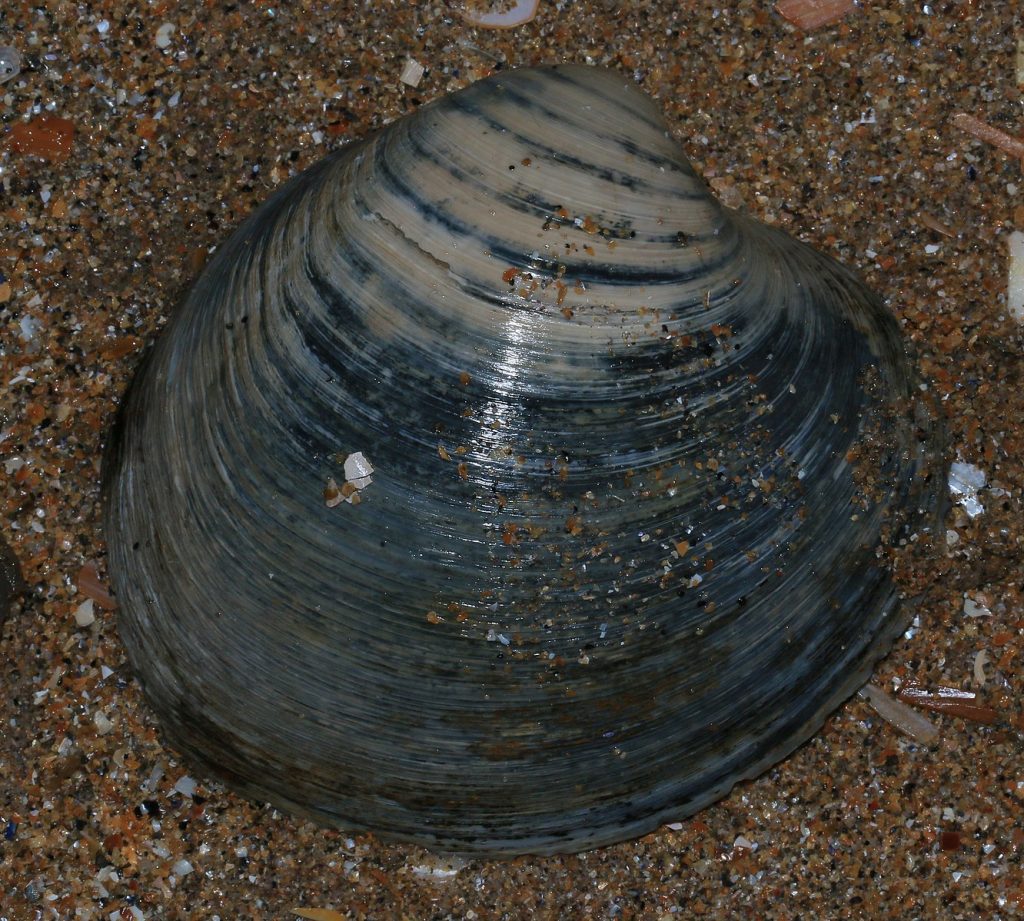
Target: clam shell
{"points": [[497, 489]]}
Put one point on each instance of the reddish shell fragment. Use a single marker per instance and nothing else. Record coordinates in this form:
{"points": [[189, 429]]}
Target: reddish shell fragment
{"points": [[46, 136], [813, 14], [88, 583], [985, 132], [949, 700], [319, 914], [933, 223]]}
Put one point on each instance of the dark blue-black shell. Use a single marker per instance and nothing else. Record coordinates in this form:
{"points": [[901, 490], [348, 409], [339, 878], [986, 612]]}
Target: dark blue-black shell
{"points": [[637, 464]]}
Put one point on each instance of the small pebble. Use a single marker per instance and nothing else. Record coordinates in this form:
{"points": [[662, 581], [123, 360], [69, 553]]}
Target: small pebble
{"points": [[84, 613], [186, 786], [163, 35], [974, 608]]}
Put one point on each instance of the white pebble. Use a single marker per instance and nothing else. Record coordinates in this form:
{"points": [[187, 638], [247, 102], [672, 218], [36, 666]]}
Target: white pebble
{"points": [[103, 725], [85, 613], [182, 868], [163, 35], [980, 660]]}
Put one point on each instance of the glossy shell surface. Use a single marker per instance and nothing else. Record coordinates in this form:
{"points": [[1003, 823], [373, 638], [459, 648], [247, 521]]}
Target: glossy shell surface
{"points": [[497, 489]]}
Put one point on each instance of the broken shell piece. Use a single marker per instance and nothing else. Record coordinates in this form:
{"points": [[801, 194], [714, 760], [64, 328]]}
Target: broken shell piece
{"points": [[358, 470], [899, 714], [983, 131], [980, 661], [965, 481], [85, 613], [412, 72], [975, 607], [438, 869], [500, 14], [332, 495], [952, 701], [813, 14]]}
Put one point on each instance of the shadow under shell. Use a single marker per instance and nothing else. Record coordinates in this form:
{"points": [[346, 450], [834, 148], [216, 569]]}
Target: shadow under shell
{"points": [[635, 459]]}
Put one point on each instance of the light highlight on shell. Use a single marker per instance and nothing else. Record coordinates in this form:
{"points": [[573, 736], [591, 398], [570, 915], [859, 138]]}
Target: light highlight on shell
{"points": [[633, 458]]}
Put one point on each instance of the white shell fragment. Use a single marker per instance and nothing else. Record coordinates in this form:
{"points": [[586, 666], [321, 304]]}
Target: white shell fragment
{"points": [[102, 724], [438, 869], [185, 785], [965, 480], [358, 470], [500, 14], [164, 35], [904, 717], [973, 608], [412, 73], [84, 613], [980, 661]]}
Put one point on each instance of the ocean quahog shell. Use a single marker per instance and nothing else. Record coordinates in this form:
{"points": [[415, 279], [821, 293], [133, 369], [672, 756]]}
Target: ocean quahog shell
{"points": [[497, 489]]}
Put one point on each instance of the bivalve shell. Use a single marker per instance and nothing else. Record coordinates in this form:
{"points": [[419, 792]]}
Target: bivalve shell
{"points": [[496, 488]]}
